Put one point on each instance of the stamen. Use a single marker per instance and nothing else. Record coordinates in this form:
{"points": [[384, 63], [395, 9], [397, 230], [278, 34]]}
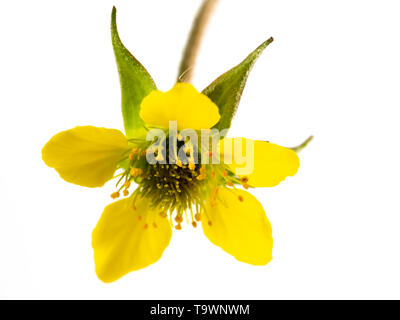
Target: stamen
{"points": [[126, 192], [115, 195], [197, 216], [178, 227], [136, 172], [194, 224]]}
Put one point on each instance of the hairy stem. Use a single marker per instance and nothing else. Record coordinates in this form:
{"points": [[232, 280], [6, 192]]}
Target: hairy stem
{"points": [[189, 57]]}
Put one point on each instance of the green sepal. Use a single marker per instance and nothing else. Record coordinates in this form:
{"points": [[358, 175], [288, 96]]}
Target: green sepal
{"points": [[227, 90], [136, 83]]}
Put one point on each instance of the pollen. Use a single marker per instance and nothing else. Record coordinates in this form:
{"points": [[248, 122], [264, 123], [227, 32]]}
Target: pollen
{"points": [[178, 227], [136, 172], [115, 195]]}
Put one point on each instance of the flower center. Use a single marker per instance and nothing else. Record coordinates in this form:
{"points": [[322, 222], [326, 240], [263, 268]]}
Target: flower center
{"points": [[175, 188]]}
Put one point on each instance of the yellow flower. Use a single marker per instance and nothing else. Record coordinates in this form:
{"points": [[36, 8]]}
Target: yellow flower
{"points": [[133, 233]]}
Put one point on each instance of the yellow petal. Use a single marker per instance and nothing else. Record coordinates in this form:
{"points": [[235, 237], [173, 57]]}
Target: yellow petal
{"points": [[87, 156], [264, 164], [126, 240], [237, 223], [184, 104]]}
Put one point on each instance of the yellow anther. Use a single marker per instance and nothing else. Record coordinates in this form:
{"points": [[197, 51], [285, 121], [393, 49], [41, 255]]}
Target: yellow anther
{"points": [[178, 219], [115, 195], [229, 184], [136, 172], [225, 173], [145, 226], [163, 214], [135, 150], [245, 185], [127, 184], [213, 174], [201, 177], [178, 227], [126, 192], [240, 198], [192, 166], [197, 216], [194, 224], [131, 156], [202, 169]]}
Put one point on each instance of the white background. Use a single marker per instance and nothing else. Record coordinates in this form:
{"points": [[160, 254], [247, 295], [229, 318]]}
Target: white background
{"points": [[332, 71]]}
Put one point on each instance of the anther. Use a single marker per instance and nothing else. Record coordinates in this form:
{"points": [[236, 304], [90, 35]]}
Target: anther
{"points": [[194, 224], [244, 179], [197, 216], [178, 227], [229, 184], [136, 172], [225, 173], [192, 166], [145, 226], [126, 192], [213, 174], [178, 219], [163, 214], [240, 198], [210, 223], [115, 195], [127, 184]]}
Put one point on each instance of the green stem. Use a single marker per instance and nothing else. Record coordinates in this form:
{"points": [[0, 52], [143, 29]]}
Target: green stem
{"points": [[191, 50], [303, 145]]}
